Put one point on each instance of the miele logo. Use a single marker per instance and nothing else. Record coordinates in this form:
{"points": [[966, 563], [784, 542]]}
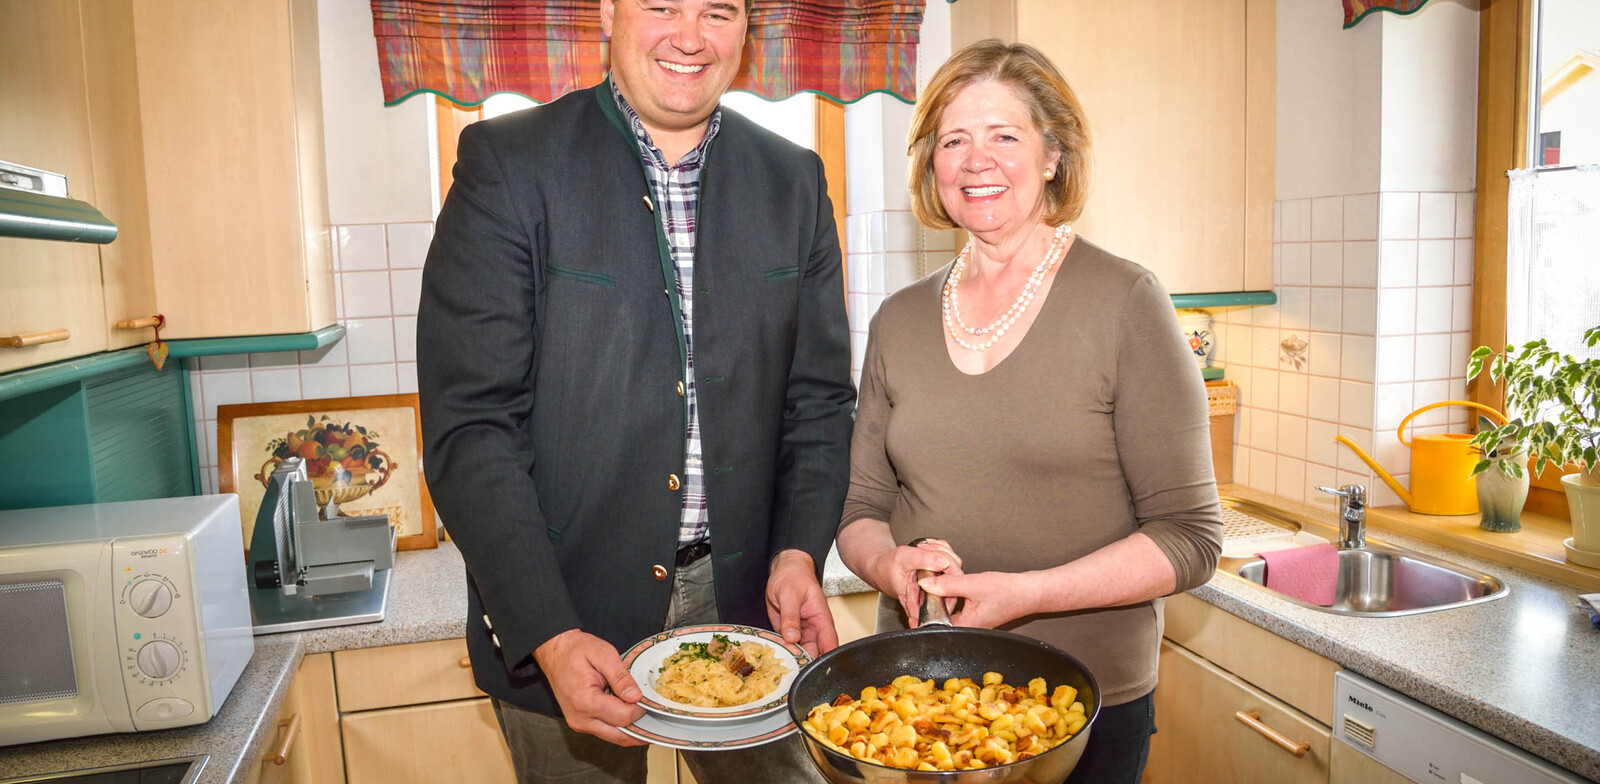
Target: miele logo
{"points": [[1364, 706], [148, 553]]}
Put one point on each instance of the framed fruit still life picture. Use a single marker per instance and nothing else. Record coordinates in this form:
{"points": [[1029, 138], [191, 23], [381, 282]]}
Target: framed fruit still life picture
{"points": [[363, 456]]}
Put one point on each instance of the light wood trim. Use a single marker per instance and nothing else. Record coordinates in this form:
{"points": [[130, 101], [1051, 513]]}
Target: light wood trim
{"points": [[318, 756], [1252, 719], [451, 119], [1289, 672], [410, 674], [974, 21], [1348, 766], [288, 733], [1537, 548], [1260, 140], [418, 743], [138, 323], [828, 139], [35, 338], [662, 765]]}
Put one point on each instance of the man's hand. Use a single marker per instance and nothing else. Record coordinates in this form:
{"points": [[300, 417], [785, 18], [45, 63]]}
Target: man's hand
{"points": [[796, 606], [579, 667]]}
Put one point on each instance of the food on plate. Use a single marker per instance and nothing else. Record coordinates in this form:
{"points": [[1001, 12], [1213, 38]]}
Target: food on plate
{"points": [[914, 724], [719, 673]]}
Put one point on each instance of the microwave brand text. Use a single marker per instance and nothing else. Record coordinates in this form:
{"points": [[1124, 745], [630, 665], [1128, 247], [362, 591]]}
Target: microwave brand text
{"points": [[150, 552]]}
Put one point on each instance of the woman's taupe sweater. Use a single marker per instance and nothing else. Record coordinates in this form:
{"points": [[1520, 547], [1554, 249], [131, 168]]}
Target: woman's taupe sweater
{"points": [[1095, 427]]}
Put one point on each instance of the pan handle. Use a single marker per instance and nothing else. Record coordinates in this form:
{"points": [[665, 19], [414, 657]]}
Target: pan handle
{"points": [[932, 612]]}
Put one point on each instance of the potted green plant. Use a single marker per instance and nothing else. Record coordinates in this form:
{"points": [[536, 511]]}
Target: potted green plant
{"points": [[1559, 396]]}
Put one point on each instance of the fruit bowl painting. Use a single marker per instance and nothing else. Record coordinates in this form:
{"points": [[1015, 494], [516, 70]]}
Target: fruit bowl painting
{"points": [[363, 456]]}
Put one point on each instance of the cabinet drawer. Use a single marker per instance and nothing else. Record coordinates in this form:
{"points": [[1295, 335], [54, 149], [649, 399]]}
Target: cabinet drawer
{"points": [[411, 674], [1291, 673], [447, 741], [1200, 737]]}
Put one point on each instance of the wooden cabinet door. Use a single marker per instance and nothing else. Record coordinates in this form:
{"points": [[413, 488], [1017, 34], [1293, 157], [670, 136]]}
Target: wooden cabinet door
{"points": [[1179, 98], [316, 756], [446, 741], [47, 287], [1349, 766], [1198, 737], [410, 674], [854, 615]]}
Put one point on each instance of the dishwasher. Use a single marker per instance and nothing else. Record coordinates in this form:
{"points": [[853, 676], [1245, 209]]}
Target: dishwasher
{"points": [[1427, 746]]}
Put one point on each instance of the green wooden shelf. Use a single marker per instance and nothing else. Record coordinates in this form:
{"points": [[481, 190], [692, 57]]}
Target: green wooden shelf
{"points": [[1225, 299], [26, 382]]}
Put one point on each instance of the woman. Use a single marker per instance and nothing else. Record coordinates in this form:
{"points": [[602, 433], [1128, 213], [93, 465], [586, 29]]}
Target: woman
{"points": [[1032, 408]]}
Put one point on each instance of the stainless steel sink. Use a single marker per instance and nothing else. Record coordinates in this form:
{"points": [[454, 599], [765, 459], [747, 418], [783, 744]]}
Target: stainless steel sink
{"points": [[1380, 580]]}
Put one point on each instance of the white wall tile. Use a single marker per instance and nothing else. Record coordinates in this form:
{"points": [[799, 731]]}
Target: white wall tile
{"points": [[373, 380], [1433, 357], [1292, 393], [1327, 263], [270, 386], [1237, 344], [1463, 262], [1264, 316], [1390, 453], [210, 444], [405, 338], [1296, 264], [336, 353], [224, 362], [1435, 262], [1396, 358], [407, 291], [1464, 214], [1294, 308], [1460, 351], [1360, 312], [408, 244], [1292, 436], [1320, 446], [1361, 264], [1397, 216], [1264, 348], [899, 271], [317, 383], [1362, 437], [1392, 402], [1241, 463], [1378, 493], [1319, 476], [1428, 393], [1397, 311], [1327, 219], [1434, 308], [1264, 430], [1291, 482], [366, 294], [226, 388], [273, 359], [1355, 404], [1327, 307], [1324, 354], [1322, 398], [1358, 358], [1436, 216], [361, 247], [1277, 222], [1361, 217], [1265, 382], [407, 372], [901, 232], [1297, 220], [1263, 471], [1397, 263], [370, 340], [197, 406]]}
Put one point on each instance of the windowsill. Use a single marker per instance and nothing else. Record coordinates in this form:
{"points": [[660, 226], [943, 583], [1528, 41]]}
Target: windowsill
{"points": [[1536, 549]]}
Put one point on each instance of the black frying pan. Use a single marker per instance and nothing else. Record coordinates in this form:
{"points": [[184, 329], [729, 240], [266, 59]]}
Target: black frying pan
{"points": [[936, 650]]}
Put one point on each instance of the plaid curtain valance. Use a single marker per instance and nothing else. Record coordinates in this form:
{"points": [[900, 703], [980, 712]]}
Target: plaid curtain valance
{"points": [[1356, 10], [472, 49]]}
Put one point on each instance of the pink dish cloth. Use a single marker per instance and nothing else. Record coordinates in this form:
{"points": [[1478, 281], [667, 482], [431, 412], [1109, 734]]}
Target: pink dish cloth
{"points": [[1310, 574]]}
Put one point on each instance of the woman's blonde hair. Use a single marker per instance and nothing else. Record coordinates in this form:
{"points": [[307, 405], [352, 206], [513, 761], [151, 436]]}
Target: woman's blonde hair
{"points": [[1051, 102]]}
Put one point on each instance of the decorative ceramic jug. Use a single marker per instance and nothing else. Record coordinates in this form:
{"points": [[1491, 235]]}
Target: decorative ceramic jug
{"points": [[1197, 330]]}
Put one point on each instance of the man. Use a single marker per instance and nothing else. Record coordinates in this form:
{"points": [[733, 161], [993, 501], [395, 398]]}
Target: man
{"points": [[634, 369]]}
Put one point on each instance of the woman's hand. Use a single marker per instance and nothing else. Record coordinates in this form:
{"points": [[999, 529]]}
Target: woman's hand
{"points": [[992, 598], [894, 571]]}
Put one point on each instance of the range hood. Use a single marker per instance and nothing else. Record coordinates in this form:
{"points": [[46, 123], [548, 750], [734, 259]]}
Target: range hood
{"points": [[34, 204]]}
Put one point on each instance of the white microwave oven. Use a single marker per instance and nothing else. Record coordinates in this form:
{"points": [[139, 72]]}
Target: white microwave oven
{"points": [[120, 617]]}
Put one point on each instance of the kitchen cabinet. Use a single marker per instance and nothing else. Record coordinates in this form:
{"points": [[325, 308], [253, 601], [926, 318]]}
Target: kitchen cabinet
{"points": [[1180, 103], [1216, 667], [1349, 766], [50, 292], [302, 746]]}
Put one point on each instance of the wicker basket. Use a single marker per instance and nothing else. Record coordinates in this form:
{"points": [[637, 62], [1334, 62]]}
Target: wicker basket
{"points": [[1222, 397]]}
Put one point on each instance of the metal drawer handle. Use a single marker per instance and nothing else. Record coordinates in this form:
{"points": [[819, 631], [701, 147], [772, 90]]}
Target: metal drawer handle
{"points": [[465, 663], [139, 323], [281, 755], [34, 339], [1253, 720]]}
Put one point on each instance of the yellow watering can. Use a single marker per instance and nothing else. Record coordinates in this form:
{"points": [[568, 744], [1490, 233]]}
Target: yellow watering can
{"points": [[1441, 466]]}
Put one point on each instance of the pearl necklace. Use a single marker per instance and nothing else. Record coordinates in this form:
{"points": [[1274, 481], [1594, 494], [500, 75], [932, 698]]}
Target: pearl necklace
{"points": [[952, 305]]}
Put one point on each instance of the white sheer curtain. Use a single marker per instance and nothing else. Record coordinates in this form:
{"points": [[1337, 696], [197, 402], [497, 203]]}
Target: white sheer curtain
{"points": [[1553, 281]]}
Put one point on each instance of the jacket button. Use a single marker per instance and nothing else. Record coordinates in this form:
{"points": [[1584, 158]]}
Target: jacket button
{"points": [[672, 482], [680, 389], [659, 571]]}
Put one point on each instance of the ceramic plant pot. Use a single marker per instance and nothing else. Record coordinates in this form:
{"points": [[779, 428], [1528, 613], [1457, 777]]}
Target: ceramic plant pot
{"points": [[1583, 500], [1197, 330], [1500, 499]]}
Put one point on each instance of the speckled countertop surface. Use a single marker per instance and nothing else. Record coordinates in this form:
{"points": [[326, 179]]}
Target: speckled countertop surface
{"points": [[1525, 668]]}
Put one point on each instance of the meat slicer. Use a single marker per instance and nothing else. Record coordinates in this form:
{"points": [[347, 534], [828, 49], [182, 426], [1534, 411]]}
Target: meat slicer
{"points": [[309, 573]]}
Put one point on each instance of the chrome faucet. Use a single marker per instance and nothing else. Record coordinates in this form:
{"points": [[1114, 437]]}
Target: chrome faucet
{"points": [[1352, 515]]}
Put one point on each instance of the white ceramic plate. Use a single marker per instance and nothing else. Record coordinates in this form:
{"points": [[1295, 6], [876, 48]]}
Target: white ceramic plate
{"points": [[719, 736], [645, 659]]}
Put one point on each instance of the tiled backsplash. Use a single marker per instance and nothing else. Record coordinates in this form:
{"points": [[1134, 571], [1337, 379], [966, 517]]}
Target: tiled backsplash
{"points": [[377, 281], [1372, 322]]}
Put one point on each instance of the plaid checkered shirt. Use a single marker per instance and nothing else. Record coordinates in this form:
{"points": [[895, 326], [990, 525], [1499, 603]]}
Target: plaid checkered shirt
{"points": [[675, 189]]}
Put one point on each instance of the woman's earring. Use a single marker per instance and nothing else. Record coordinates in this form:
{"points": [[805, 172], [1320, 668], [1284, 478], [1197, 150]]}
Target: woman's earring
{"points": [[1049, 174]]}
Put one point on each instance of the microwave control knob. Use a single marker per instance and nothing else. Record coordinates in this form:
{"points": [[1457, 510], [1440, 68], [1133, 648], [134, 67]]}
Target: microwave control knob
{"points": [[159, 659], [150, 598]]}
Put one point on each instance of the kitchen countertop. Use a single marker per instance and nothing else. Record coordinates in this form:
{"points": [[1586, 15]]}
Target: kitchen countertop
{"points": [[1525, 668]]}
